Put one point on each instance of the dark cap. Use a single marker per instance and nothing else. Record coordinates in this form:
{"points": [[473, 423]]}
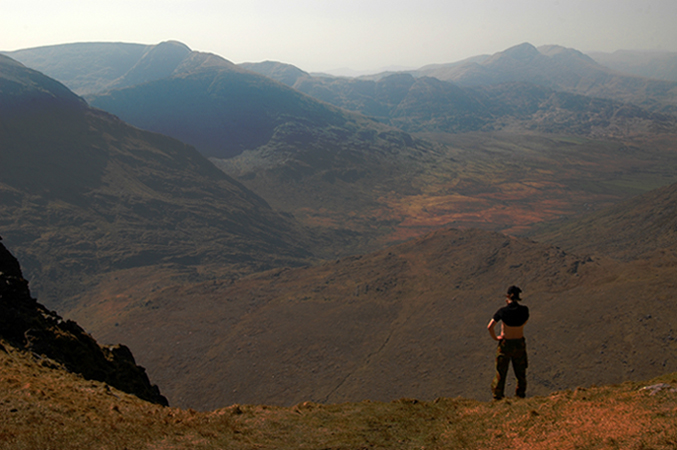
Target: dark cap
{"points": [[514, 292]]}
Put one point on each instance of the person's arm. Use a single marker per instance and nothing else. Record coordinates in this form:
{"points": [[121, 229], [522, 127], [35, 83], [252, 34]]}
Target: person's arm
{"points": [[492, 332]]}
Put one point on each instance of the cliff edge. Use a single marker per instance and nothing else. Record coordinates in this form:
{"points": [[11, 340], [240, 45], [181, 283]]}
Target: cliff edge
{"points": [[28, 325]]}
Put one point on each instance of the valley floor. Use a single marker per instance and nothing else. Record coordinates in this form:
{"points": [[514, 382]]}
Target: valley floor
{"points": [[44, 407]]}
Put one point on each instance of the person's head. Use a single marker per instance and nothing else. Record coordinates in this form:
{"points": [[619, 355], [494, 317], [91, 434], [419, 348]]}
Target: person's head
{"points": [[514, 293]]}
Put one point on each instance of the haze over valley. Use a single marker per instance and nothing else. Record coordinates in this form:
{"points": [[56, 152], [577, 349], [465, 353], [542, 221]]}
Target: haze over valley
{"points": [[259, 234]]}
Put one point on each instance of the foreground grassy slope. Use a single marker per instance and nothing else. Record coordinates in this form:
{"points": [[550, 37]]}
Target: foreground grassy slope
{"points": [[48, 408]]}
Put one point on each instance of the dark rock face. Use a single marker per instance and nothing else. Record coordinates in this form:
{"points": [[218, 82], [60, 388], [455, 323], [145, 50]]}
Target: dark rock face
{"points": [[27, 324]]}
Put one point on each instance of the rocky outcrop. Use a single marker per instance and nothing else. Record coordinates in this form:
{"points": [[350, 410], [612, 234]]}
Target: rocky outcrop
{"points": [[28, 325]]}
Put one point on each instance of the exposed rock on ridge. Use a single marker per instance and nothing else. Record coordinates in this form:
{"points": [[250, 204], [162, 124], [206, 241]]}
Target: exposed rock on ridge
{"points": [[27, 324]]}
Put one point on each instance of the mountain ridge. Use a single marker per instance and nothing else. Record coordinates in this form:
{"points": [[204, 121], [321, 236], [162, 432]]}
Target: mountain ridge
{"points": [[83, 67], [563, 69], [223, 109], [419, 101]]}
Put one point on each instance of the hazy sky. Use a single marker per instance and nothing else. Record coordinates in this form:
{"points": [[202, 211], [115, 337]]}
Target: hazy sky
{"points": [[320, 35]]}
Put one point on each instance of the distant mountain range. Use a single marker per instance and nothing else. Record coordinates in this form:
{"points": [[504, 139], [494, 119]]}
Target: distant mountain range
{"points": [[543, 89], [205, 100], [561, 69], [546, 89]]}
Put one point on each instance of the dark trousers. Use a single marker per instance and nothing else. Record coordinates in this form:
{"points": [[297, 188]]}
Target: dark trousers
{"points": [[514, 350]]}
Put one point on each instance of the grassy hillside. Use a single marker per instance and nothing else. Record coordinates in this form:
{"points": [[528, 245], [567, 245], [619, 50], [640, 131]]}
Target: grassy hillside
{"points": [[642, 228], [408, 321], [47, 408], [84, 194], [496, 181]]}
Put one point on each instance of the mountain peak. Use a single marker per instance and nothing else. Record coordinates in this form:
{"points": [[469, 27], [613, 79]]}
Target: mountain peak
{"points": [[160, 61], [172, 45], [523, 51]]}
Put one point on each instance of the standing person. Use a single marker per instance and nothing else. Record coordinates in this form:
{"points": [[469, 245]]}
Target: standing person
{"points": [[511, 344]]}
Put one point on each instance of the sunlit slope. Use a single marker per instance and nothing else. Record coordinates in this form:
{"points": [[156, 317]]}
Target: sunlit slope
{"points": [[90, 67]]}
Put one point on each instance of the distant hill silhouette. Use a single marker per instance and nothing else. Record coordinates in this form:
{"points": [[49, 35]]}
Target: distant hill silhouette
{"points": [[284, 73], [550, 66], [27, 91], [561, 69], [91, 67], [159, 61], [201, 99], [224, 110], [658, 65], [483, 96], [86, 67], [84, 193]]}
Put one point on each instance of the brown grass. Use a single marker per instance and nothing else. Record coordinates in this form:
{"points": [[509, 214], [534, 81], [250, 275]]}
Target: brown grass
{"points": [[46, 408]]}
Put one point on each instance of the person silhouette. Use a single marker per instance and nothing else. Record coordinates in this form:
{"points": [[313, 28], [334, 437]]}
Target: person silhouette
{"points": [[511, 344]]}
